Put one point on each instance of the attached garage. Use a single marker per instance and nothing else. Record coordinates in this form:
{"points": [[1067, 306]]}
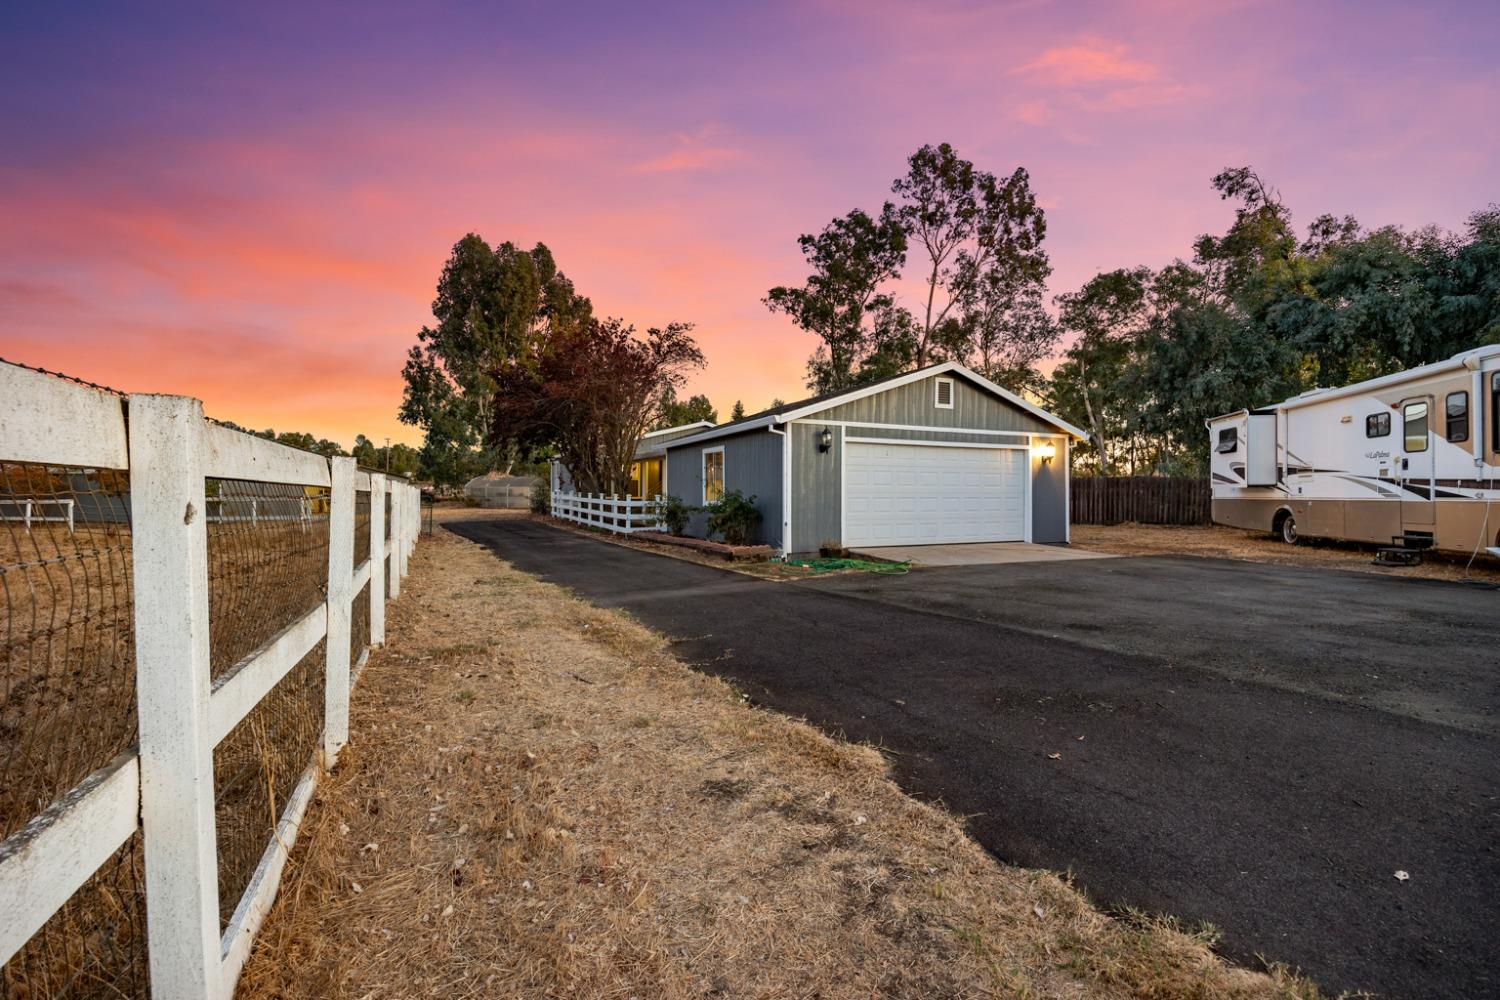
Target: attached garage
{"points": [[933, 457], [930, 494]]}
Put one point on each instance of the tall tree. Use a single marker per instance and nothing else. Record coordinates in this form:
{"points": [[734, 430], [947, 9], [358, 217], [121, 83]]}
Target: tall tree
{"points": [[492, 305], [841, 301], [674, 412], [969, 224], [1105, 316], [592, 394], [738, 413]]}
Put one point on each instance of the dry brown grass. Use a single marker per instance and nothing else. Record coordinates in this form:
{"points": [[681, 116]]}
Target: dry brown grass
{"points": [[540, 801], [1218, 542]]}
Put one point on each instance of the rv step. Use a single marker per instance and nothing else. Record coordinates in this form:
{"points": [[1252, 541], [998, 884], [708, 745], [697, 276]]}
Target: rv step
{"points": [[1397, 555]]}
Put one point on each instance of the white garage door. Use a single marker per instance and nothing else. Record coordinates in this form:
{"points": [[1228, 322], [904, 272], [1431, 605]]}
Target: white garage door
{"points": [[902, 494]]}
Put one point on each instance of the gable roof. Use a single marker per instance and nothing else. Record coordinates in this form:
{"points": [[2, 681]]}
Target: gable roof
{"points": [[788, 412]]}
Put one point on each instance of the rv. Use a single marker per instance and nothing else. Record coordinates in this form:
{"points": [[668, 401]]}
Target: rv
{"points": [[1410, 460]]}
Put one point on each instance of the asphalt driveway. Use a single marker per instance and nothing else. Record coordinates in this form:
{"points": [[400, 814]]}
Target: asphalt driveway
{"points": [[1261, 747]]}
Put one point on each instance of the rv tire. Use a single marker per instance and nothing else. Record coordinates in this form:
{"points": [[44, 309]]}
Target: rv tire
{"points": [[1287, 528]]}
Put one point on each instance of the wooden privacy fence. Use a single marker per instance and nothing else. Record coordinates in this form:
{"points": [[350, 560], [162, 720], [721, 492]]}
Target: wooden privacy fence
{"points": [[1140, 499], [622, 515], [144, 837]]}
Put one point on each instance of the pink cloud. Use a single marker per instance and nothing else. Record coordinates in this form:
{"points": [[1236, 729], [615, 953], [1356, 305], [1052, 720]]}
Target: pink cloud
{"points": [[1089, 63]]}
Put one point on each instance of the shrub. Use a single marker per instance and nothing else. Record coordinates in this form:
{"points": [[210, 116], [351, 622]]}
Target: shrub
{"points": [[732, 516], [832, 548], [675, 514], [541, 497]]}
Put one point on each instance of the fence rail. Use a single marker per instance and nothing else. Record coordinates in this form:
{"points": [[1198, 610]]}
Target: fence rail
{"points": [[622, 515], [261, 706], [1140, 499], [28, 510]]}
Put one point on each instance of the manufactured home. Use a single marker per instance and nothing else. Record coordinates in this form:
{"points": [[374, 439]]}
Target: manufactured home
{"points": [[1410, 459], [935, 456]]}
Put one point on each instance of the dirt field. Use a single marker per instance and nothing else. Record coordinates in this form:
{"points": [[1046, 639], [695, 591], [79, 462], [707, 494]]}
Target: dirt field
{"points": [[1232, 543], [539, 800]]}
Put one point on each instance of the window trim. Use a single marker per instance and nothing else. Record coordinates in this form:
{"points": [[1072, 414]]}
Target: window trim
{"points": [[703, 471], [1375, 418], [1406, 422], [1233, 441], [937, 393], [1462, 425]]}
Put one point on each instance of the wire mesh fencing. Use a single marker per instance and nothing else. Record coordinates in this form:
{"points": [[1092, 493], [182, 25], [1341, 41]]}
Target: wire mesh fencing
{"points": [[68, 708], [73, 751]]}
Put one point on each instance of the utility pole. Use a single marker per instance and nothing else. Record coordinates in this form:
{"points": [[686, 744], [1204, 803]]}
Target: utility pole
{"points": [[387, 455]]}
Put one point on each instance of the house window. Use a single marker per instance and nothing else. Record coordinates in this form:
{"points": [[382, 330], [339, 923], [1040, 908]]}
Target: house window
{"points": [[1229, 440], [943, 390], [1377, 425], [1414, 430], [1456, 408], [713, 474]]}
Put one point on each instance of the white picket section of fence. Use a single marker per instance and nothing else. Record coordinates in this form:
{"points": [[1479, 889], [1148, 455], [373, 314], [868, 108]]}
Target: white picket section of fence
{"points": [[169, 450], [622, 515], [31, 510]]}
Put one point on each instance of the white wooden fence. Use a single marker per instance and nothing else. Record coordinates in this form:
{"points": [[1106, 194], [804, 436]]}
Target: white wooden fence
{"points": [[165, 787], [622, 515], [27, 510]]}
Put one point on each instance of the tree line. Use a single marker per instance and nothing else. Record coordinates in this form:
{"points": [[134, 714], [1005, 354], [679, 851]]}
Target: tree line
{"points": [[516, 368], [398, 459], [1252, 316]]}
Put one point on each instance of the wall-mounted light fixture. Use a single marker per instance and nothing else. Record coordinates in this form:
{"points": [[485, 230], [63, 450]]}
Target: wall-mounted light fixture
{"points": [[825, 439], [1046, 451]]}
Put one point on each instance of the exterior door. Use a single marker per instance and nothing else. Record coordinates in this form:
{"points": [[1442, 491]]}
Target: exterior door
{"points": [[1418, 505], [911, 494]]}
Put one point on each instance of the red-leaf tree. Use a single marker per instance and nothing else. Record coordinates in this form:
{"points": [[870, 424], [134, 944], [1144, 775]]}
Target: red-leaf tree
{"points": [[592, 392]]}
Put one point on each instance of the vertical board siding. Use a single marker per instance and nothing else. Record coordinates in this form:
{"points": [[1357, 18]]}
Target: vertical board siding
{"points": [[913, 404], [816, 487], [752, 465], [1049, 498], [1141, 500]]}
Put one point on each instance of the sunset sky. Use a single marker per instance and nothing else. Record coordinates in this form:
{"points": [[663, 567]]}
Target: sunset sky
{"points": [[253, 207]]}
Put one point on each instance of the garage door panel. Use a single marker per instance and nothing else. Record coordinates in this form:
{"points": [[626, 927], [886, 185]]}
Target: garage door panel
{"points": [[915, 494]]}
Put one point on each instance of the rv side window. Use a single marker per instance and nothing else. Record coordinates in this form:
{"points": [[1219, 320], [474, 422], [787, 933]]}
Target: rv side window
{"points": [[1377, 425], [1414, 417], [1229, 440], [1457, 409], [1495, 412]]}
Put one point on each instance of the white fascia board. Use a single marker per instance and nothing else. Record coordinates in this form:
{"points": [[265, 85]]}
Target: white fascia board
{"points": [[718, 432], [680, 427]]}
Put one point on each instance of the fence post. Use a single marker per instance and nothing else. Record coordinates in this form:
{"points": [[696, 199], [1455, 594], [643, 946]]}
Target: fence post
{"points": [[377, 559], [395, 561], [340, 605], [169, 540]]}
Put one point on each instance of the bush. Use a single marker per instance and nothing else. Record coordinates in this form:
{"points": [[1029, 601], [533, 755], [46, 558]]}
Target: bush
{"points": [[832, 548], [732, 516], [541, 497], [675, 514]]}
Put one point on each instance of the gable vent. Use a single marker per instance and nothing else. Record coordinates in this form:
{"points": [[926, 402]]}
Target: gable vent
{"points": [[944, 397]]}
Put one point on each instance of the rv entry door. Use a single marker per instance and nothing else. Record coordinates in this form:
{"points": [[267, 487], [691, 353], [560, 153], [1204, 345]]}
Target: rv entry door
{"points": [[1417, 502]]}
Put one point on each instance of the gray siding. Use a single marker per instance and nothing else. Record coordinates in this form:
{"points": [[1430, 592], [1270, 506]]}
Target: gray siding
{"points": [[816, 488], [657, 444], [1049, 497], [752, 465], [912, 404]]}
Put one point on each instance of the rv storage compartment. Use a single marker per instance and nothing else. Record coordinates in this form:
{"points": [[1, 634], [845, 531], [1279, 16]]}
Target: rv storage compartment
{"points": [[1260, 449]]}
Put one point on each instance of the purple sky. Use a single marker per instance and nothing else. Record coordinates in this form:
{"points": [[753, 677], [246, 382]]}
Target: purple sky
{"points": [[253, 208]]}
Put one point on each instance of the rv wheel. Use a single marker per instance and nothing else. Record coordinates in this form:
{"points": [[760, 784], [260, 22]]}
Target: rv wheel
{"points": [[1289, 530]]}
